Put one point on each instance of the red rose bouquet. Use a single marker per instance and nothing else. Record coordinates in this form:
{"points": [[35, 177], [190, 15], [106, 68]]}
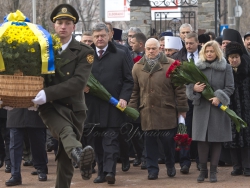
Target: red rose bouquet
{"points": [[182, 138]]}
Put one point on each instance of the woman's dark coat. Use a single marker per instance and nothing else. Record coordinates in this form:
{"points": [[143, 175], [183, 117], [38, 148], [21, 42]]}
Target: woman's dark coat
{"points": [[240, 103]]}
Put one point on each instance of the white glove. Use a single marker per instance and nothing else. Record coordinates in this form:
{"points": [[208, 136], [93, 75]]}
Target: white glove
{"points": [[32, 108], [40, 98], [8, 108]]}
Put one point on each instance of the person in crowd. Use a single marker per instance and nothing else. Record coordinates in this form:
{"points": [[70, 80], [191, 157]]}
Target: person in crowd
{"points": [[87, 139], [184, 30], [157, 120], [131, 32], [4, 142], [219, 40], [138, 45], [162, 43], [116, 34], [211, 35], [172, 45], [190, 51], [27, 156], [240, 103], [247, 42], [87, 38], [211, 125], [62, 104], [203, 38], [22, 121], [112, 70], [162, 40], [230, 35]]}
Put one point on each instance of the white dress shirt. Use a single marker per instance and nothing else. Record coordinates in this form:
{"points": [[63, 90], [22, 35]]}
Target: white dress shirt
{"points": [[196, 56]]}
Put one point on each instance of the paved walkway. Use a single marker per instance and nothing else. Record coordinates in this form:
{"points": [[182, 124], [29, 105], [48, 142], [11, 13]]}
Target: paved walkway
{"points": [[135, 177]]}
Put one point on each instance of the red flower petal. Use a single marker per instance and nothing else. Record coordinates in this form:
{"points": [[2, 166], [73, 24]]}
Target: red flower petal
{"points": [[137, 58]]}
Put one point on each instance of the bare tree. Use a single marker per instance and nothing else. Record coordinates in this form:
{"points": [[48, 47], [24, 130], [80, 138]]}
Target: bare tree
{"points": [[88, 13]]}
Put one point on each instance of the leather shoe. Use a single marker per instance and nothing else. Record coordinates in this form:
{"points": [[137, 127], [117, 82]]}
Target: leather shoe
{"points": [[27, 163], [110, 177], [13, 181], [143, 165], [1, 162], [237, 172], [246, 172], [125, 165], [184, 169], [7, 169], [171, 172], [137, 162], [100, 179], [161, 161], [84, 159], [42, 176], [152, 176]]}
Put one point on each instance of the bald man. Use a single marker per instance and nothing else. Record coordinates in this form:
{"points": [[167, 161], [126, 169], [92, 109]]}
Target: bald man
{"points": [[158, 105]]}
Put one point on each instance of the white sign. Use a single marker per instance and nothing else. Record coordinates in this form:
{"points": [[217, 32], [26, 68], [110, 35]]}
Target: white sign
{"points": [[237, 11], [119, 10]]}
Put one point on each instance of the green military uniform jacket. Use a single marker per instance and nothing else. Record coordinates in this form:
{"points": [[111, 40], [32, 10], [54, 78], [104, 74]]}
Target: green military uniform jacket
{"points": [[64, 90]]}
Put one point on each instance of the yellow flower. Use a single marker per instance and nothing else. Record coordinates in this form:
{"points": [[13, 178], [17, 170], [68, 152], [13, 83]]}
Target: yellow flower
{"points": [[9, 41], [32, 50]]}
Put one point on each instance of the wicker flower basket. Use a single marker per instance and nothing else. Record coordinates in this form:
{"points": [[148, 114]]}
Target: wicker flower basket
{"points": [[17, 91]]}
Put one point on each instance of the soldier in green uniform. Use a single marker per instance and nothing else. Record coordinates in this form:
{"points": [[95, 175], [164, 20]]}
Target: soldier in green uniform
{"points": [[62, 103]]}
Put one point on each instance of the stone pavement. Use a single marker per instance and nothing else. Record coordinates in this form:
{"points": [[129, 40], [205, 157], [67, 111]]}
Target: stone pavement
{"points": [[135, 177]]}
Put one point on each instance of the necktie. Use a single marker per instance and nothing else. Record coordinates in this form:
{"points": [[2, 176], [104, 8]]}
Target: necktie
{"points": [[191, 57], [100, 53]]}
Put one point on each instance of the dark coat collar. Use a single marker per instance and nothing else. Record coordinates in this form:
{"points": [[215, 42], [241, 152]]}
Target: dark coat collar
{"points": [[111, 48]]}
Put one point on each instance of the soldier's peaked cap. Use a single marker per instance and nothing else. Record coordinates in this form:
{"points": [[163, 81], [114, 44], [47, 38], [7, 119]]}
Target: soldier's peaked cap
{"points": [[64, 11]]}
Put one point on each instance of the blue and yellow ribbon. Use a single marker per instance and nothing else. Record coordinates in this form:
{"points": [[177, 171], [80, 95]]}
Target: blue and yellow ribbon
{"points": [[3, 28], [222, 107], [47, 54], [115, 102], [44, 39]]}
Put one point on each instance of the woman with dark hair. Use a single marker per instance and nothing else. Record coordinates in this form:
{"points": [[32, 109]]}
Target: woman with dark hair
{"points": [[211, 126], [240, 103]]}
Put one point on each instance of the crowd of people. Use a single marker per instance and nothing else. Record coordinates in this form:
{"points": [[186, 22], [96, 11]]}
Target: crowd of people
{"points": [[86, 132]]}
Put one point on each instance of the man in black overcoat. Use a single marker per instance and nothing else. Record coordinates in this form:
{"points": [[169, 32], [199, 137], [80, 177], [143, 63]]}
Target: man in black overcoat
{"points": [[114, 73]]}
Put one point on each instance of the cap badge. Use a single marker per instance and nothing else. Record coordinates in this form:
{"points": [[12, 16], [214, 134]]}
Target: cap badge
{"points": [[64, 10]]}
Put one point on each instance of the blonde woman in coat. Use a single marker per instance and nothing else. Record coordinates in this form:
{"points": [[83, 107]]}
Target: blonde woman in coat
{"points": [[211, 125]]}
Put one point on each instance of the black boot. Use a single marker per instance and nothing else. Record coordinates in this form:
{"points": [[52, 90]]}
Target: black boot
{"points": [[84, 159], [213, 171], [203, 172]]}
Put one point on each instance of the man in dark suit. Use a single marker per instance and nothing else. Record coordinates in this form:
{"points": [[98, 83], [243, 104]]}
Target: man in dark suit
{"points": [[188, 52], [4, 141], [21, 121], [62, 103], [112, 70]]}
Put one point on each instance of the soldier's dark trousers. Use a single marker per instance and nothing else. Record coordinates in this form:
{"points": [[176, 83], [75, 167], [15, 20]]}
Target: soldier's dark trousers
{"points": [[63, 127]]}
